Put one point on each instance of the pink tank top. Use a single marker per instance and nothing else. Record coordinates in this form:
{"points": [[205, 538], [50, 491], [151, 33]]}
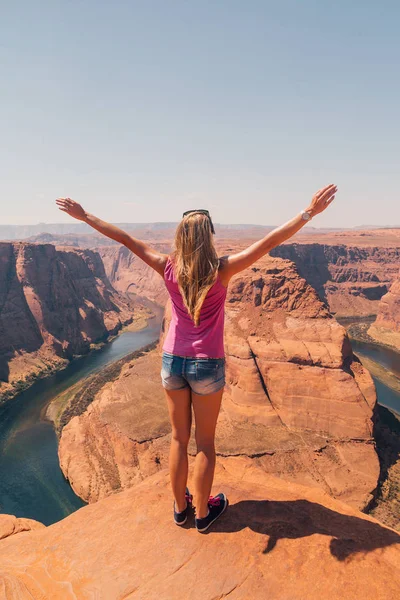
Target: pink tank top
{"points": [[183, 338]]}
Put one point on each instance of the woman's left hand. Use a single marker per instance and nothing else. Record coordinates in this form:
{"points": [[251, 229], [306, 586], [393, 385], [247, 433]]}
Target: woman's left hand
{"points": [[72, 208]]}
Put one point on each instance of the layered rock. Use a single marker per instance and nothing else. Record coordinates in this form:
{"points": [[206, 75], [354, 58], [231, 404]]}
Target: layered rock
{"points": [[296, 399], [130, 274], [10, 525], [276, 539], [54, 303], [350, 279], [386, 328]]}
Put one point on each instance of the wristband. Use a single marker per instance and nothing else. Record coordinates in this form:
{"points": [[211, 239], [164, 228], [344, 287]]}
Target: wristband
{"points": [[306, 215]]}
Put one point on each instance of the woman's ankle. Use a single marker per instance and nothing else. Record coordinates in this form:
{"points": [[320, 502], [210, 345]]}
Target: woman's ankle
{"points": [[202, 514], [177, 507]]}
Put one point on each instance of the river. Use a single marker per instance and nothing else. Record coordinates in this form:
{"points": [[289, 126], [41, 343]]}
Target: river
{"points": [[390, 360], [31, 482], [383, 356]]}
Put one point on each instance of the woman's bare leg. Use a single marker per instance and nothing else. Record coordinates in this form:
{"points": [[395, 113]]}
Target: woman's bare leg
{"points": [[206, 410], [180, 412]]}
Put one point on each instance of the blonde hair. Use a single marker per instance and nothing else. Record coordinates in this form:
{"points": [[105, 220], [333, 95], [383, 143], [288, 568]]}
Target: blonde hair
{"points": [[195, 261]]}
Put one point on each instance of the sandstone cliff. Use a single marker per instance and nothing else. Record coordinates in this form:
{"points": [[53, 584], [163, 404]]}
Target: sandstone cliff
{"points": [[54, 303], [296, 399], [386, 328], [128, 273], [350, 279], [276, 540]]}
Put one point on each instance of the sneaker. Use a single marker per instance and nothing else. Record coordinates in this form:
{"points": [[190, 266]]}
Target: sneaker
{"points": [[180, 518], [216, 506]]}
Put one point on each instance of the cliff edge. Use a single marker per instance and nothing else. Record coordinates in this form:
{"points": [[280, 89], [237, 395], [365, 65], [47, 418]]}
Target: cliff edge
{"points": [[276, 540]]}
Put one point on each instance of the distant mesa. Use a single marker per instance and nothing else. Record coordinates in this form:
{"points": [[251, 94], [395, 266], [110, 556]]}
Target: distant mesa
{"points": [[23, 232]]}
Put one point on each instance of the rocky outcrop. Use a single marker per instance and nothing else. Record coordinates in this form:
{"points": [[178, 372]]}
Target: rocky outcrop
{"points": [[350, 279], [386, 328], [276, 539], [10, 525], [54, 303], [297, 401]]}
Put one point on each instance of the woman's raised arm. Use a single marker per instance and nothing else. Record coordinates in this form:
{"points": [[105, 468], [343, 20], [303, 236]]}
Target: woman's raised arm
{"points": [[233, 263], [152, 257]]}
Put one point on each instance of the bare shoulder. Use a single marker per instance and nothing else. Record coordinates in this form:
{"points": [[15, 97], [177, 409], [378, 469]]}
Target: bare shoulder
{"points": [[163, 259], [224, 271], [157, 261]]}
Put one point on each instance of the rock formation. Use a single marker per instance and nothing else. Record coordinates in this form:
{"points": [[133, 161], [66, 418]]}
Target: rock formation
{"points": [[350, 279], [276, 540], [386, 328], [10, 525], [297, 401], [54, 303], [128, 273]]}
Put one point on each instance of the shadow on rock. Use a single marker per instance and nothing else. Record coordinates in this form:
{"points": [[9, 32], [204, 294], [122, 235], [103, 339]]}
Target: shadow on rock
{"points": [[387, 436], [301, 518]]}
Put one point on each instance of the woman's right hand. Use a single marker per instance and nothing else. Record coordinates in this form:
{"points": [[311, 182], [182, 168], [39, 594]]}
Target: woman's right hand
{"points": [[322, 199], [72, 208]]}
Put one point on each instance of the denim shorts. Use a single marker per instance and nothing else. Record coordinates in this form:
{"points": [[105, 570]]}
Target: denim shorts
{"points": [[203, 375]]}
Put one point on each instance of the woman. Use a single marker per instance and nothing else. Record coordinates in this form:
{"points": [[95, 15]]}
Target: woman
{"points": [[193, 358]]}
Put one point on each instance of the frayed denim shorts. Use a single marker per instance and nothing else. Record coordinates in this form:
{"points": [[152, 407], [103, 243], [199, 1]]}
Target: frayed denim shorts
{"points": [[203, 375]]}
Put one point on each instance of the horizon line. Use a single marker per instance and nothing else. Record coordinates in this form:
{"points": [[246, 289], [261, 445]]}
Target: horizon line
{"points": [[82, 223]]}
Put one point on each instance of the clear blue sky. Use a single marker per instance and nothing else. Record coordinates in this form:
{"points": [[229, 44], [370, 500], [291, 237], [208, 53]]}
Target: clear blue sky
{"points": [[140, 110]]}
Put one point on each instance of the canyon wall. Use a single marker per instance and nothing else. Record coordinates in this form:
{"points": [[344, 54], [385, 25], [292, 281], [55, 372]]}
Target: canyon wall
{"points": [[350, 279], [386, 328], [297, 401], [130, 274], [54, 303]]}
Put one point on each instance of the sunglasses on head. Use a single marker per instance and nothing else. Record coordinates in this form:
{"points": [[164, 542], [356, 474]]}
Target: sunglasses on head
{"points": [[203, 212]]}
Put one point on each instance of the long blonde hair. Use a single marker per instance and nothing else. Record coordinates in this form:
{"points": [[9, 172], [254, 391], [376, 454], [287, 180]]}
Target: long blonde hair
{"points": [[195, 261]]}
